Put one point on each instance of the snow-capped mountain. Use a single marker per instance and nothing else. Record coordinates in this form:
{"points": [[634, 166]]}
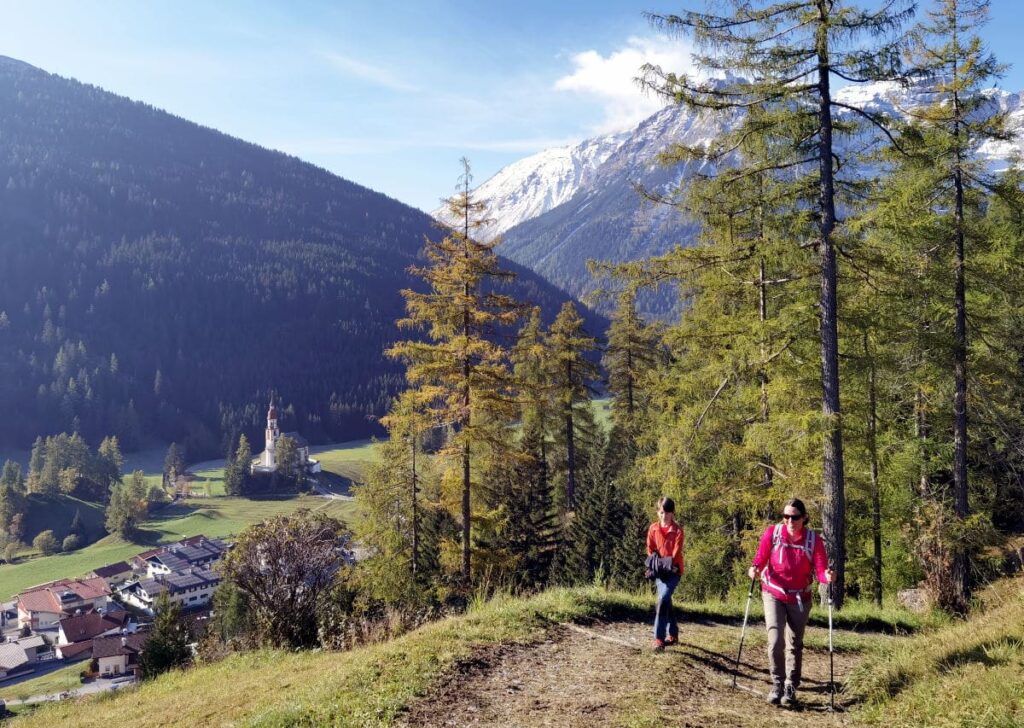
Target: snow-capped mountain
{"points": [[542, 181], [562, 207]]}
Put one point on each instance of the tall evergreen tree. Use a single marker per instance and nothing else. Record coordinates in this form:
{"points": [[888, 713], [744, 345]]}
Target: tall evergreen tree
{"points": [[404, 472], [35, 465], [957, 68], [630, 356], [168, 643], [236, 474], [461, 371], [783, 58], [174, 465], [571, 374]]}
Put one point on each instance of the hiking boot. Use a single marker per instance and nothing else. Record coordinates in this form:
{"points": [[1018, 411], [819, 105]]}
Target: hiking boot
{"points": [[670, 641], [775, 695], [659, 645], [788, 696]]}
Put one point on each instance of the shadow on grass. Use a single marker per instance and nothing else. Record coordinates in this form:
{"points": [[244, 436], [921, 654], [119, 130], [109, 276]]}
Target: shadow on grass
{"points": [[337, 484], [991, 653], [174, 511], [145, 537]]}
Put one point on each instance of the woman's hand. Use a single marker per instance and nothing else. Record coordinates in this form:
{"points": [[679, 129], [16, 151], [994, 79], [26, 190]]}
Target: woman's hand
{"points": [[829, 576], [752, 573]]}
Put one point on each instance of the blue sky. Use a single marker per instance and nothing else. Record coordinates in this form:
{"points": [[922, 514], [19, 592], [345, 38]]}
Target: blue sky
{"points": [[385, 93]]}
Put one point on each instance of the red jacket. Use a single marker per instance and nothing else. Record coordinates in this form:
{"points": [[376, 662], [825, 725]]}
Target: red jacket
{"points": [[789, 569], [667, 542]]}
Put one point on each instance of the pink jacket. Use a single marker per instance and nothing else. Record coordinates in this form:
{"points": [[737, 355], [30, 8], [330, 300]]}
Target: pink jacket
{"points": [[788, 576]]}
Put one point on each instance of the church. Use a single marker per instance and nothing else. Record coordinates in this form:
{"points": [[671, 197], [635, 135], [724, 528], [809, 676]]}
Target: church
{"points": [[267, 462]]}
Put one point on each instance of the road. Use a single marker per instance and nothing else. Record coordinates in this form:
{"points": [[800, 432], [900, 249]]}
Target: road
{"points": [[99, 685]]}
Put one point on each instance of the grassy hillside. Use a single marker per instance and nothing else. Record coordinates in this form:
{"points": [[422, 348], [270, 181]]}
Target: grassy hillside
{"points": [[363, 687], [373, 685], [966, 674], [214, 517], [55, 512]]}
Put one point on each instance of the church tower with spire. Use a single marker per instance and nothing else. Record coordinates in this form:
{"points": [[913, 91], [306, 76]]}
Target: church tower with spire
{"points": [[269, 453]]}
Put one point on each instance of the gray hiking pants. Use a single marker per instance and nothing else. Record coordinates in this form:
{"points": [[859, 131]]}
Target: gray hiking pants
{"points": [[785, 618]]}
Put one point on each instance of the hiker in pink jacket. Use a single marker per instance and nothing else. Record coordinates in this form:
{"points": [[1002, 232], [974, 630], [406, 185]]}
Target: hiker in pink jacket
{"points": [[787, 557]]}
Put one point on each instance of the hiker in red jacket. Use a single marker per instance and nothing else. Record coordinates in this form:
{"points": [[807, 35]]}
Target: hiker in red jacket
{"points": [[788, 554], [665, 538]]}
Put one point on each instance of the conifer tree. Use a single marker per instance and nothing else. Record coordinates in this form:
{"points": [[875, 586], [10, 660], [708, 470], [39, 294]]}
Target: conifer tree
{"points": [[461, 371], [783, 58], [407, 425], [631, 354], [960, 118], [35, 465], [531, 362], [236, 474], [174, 465], [597, 528], [167, 646], [571, 374], [77, 527]]}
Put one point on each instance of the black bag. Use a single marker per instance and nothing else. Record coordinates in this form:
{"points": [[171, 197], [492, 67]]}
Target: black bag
{"points": [[658, 567]]}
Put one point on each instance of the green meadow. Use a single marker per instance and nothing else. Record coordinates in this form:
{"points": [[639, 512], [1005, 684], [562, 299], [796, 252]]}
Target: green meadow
{"points": [[210, 513]]}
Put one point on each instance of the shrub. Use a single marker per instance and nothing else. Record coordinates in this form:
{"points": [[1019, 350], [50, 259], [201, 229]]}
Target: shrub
{"points": [[71, 542], [46, 543], [11, 551]]}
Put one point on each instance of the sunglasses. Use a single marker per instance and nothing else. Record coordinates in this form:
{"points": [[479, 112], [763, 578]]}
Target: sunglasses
{"points": [[792, 516]]}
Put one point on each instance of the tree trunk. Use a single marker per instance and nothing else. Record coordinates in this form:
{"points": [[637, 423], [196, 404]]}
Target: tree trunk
{"points": [[465, 513], [960, 485], [876, 497], [834, 510], [768, 479], [415, 514], [570, 448]]}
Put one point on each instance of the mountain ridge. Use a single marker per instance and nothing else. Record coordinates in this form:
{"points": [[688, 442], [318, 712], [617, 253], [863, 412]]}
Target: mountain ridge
{"points": [[601, 216], [163, 277]]}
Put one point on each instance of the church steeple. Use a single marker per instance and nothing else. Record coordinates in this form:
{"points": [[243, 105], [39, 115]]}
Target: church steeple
{"points": [[273, 432]]}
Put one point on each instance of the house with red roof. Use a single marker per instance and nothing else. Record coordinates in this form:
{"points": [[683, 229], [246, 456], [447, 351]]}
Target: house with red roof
{"points": [[118, 654], [43, 606], [76, 632]]}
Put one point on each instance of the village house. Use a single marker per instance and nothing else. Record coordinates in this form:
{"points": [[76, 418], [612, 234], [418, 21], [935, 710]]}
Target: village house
{"points": [[113, 574], [75, 634], [13, 660], [191, 588], [197, 551], [118, 654], [43, 606], [21, 655]]}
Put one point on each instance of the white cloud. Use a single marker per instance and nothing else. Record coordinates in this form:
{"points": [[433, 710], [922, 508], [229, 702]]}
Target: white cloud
{"points": [[367, 72], [612, 78]]}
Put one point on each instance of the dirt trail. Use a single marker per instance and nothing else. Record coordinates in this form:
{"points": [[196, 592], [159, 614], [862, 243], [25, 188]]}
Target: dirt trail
{"points": [[606, 675]]}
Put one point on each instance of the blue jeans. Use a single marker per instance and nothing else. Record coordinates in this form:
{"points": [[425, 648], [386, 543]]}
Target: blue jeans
{"points": [[664, 614]]}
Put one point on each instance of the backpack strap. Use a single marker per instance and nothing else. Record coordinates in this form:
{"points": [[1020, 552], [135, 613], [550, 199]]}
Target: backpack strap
{"points": [[807, 547], [809, 542]]}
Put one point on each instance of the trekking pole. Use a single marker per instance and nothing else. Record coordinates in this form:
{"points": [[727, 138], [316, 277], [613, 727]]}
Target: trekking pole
{"points": [[743, 631], [831, 662]]}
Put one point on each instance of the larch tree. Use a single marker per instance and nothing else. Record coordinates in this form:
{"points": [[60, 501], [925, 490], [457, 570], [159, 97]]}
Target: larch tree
{"points": [[957, 67], [571, 374], [784, 57], [632, 352], [461, 370]]}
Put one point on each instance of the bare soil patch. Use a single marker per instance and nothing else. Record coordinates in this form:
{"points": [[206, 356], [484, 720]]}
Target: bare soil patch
{"points": [[607, 675]]}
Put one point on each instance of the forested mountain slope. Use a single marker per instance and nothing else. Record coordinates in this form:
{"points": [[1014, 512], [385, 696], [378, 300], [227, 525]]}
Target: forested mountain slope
{"points": [[161, 278]]}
